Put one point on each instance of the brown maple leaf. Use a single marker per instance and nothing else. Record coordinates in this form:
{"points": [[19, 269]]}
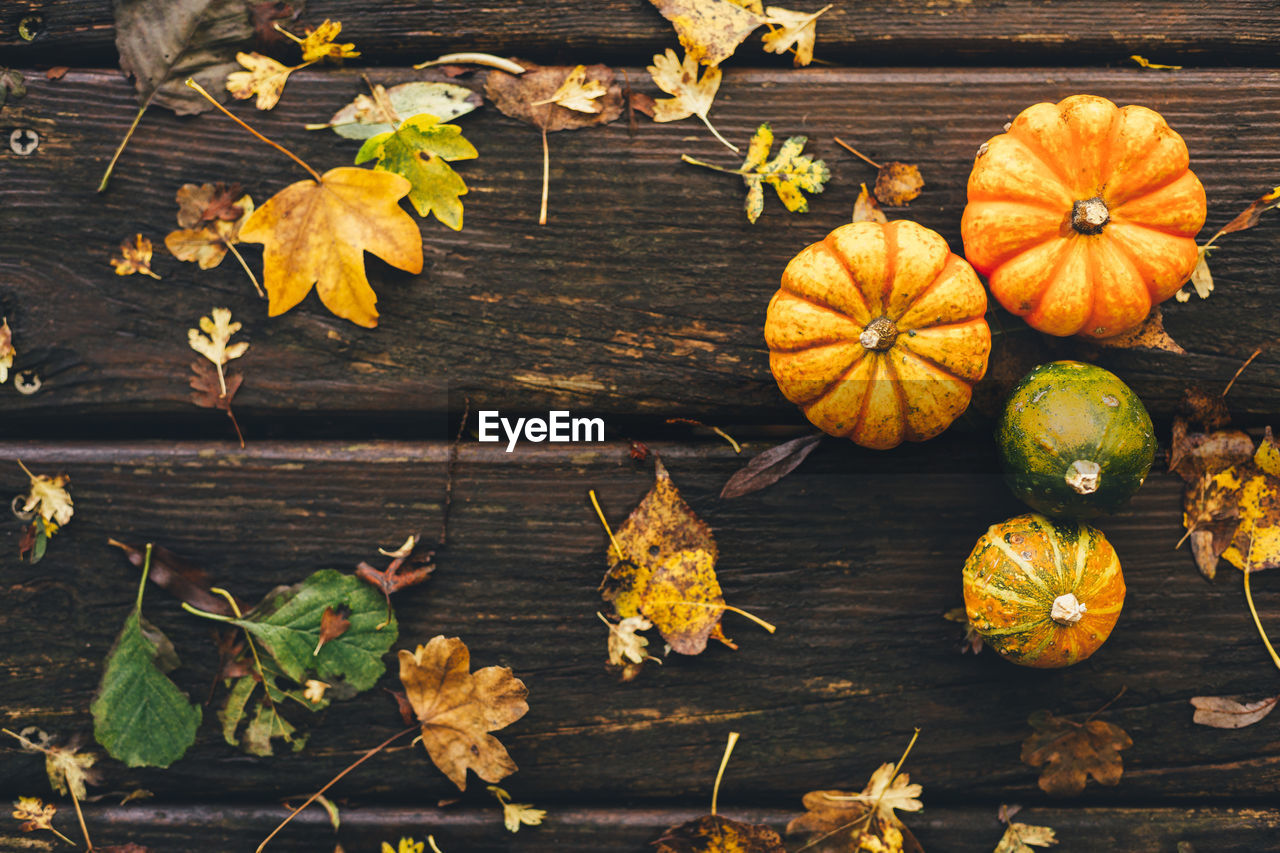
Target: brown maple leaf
{"points": [[845, 822], [1071, 752], [458, 708], [407, 568], [716, 834], [199, 204]]}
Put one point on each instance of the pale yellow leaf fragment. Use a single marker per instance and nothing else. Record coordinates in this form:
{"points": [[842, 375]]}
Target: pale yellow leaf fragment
{"points": [[215, 342], [577, 93], [49, 497], [265, 78], [516, 814], [795, 29], [692, 96], [7, 352]]}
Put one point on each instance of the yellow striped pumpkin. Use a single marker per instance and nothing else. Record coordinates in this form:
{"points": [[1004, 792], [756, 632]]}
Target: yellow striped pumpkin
{"points": [[1042, 592]]}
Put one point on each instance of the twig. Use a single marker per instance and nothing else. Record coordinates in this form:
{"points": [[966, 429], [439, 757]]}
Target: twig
{"points": [[724, 762], [106, 176], [855, 152], [546, 177], [595, 503], [1248, 361], [1108, 704], [361, 760]]}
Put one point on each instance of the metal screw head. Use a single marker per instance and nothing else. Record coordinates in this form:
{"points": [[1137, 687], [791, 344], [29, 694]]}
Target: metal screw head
{"points": [[27, 382], [30, 27], [24, 141]]}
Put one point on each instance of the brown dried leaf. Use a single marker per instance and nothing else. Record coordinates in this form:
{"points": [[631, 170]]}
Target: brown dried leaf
{"points": [[57, 72], [1071, 752], [208, 393], [972, 641], [1203, 408], [898, 183], [844, 822], [135, 257], [715, 834], [199, 204], [208, 244], [1149, 335], [458, 708], [528, 97], [265, 16], [1194, 454], [1221, 712], [770, 466], [867, 209], [333, 624], [666, 571], [7, 352], [178, 576], [709, 30], [1249, 217]]}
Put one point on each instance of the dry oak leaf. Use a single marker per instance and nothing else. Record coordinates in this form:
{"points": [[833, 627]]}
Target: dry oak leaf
{"points": [[265, 78], [458, 708], [665, 572], [842, 822], [898, 183], [715, 834], [1221, 712], [200, 204], [1071, 752], [692, 96], [7, 352], [213, 339], [709, 30], [1150, 334], [316, 233], [207, 245], [135, 257], [795, 29], [577, 93], [264, 16], [1021, 837]]}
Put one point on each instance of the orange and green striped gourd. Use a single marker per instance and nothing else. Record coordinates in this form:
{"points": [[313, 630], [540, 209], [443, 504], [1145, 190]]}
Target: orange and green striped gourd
{"points": [[1042, 592]]}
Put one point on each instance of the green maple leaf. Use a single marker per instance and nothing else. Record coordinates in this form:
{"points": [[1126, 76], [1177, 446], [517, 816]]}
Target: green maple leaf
{"points": [[420, 150], [139, 715], [791, 172]]}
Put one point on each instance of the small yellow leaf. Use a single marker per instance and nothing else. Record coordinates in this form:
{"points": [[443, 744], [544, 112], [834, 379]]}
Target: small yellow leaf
{"points": [[215, 342], [691, 95], [1146, 63], [577, 93], [7, 352], [319, 44], [1021, 837], [867, 209], [516, 814], [49, 498], [134, 257], [795, 29], [35, 813], [265, 78]]}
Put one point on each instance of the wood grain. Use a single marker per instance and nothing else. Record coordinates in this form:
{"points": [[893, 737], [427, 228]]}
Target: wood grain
{"points": [[992, 32], [855, 557], [628, 830], [644, 296]]}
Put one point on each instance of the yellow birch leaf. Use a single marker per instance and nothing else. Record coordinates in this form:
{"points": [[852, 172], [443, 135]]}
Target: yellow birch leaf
{"points": [[317, 234]]}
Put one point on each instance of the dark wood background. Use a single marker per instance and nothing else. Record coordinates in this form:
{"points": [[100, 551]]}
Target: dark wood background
{"points": [[642, 299]]}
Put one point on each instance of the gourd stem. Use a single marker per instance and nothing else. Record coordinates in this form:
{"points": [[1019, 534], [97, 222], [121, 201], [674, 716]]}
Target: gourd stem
{"points": [[1089, 215], [1068, 610], [879, 334], [1083, 476]]}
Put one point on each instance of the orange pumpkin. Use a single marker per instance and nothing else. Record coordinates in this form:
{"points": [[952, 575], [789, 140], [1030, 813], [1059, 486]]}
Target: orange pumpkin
{"points": [[1043, 593], [878, 333], [1083, 215]]}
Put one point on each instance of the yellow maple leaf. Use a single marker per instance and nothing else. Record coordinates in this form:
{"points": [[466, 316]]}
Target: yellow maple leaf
{"points": [[134, 257], [577, 93], [692, 96], [406, 845], [215, 342], [265, 78], [319, 44], [7, 352], [709, 30], [316, 233], [795, 29]]}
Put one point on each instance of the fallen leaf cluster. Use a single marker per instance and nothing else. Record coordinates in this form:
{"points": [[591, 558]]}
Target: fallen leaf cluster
{"points": [[46, 507], [210, 217], [212, 384], [265, 77], [1201, 278], [711, 30]]}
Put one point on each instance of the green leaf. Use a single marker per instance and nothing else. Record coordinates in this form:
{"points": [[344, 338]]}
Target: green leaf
{"points": [[265, 725], [364, 117], [233, 711], [139, 715], [287, 624], [418, 150]]}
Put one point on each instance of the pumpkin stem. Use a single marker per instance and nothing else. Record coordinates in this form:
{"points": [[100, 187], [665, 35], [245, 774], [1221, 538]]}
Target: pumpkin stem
{"points": [[1089, 215], [1067, 609], [1083, 476], [879, 334]]}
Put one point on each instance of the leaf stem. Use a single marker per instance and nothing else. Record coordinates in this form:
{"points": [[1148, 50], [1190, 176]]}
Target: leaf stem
{"points": [[106, 176], [1109, 703], [855, 152], [756, 619], [285, 151], [1248, 361], [724, 762], [63, 837], [704, 164], [142, 585], [431, 842], [75, 801], [595, 503], [239, 257], [546, 177], [1248, 595], [711, 127], [362, 759]]}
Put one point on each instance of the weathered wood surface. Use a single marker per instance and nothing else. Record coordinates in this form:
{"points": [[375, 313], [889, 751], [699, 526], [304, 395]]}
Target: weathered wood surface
{"points": [[578, 830], [855, 557], [643, 297], [993, 32]]}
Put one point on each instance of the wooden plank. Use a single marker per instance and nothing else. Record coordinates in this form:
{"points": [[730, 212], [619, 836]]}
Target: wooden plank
{"points": [[588, 830], [855, 557], [79, 32], [644, 296]]}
